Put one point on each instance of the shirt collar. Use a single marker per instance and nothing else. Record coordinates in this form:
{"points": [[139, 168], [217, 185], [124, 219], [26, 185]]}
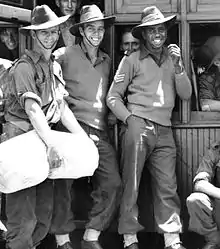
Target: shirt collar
{"points": [[144, 52], [35, 55], [101, 55]]}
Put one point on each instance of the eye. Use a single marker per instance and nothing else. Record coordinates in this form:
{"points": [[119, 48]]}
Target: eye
{"points": [[43, 32], [150, 30], [161, 30], [102, 29], [55, 32]]}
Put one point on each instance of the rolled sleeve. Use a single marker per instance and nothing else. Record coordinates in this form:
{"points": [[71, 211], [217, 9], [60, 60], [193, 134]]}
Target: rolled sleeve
{"points": [[183, 86], [30, 95], [25, 86], [202, 176], [116, 94]]}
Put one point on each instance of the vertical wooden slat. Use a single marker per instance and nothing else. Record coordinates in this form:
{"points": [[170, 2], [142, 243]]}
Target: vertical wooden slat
{"points": [[184, 39], [192, 5]]}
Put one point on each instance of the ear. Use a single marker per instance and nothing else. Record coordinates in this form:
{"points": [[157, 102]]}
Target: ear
{"points": [[1, 38], [33, 34], [143, 34], [57, 3], [81, 31]]}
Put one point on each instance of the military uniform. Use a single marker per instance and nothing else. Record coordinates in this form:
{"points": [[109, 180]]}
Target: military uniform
{"points": [[145, 88], [203, 209]]}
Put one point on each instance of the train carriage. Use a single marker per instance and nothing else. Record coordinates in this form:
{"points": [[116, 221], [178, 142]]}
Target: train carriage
{"points": [[194, 130]]}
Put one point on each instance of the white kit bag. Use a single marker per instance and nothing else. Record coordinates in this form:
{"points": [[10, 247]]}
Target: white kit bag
{"points": [[24, 162], [81, 157]]}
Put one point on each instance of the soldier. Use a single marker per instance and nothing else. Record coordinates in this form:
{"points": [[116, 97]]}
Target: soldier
{"points": [[128, 44], [204, 203], [36, 101], [142, 96], [208, 56], [67, 7], [86, 70]]}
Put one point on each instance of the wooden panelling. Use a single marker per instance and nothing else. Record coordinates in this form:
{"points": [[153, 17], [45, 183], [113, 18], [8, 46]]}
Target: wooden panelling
{"points": [[136, 6], [192, 144], [204, 5]]}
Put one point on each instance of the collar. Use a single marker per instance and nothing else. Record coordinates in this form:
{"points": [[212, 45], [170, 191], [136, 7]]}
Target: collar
{"points": [[35, 55], [144, 52], [101, 55]]}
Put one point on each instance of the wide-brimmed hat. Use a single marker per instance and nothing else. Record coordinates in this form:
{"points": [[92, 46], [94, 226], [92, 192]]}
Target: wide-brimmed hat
{"points": [[88, 14], [42, 17], [208, 52], [152, 16]]}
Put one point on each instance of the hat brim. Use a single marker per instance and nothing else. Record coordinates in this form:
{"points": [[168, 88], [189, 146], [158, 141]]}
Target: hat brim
{"points": [[137, 30], [47, 25], [108, 21]]}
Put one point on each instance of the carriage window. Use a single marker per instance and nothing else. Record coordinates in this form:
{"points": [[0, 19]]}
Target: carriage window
{"points": [[204, 65]]}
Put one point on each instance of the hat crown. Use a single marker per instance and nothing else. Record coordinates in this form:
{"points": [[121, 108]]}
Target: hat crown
{"points": [[42, 14], [90, 12], [151, 13]]}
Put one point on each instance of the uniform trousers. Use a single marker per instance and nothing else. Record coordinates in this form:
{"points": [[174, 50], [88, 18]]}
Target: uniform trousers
{"points": [[204, 216], [145, 143], [106, 185]]}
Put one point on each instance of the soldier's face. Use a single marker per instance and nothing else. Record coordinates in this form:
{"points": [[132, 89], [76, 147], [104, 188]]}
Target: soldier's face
{"points": [[10, 38], [129, 42], [47, 38], [93, 33], [67, 7], [155, 36]]}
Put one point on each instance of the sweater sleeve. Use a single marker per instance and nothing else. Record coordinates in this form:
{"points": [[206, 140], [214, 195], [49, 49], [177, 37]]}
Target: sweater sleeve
{"points": [[183, 86], [116, 94]]}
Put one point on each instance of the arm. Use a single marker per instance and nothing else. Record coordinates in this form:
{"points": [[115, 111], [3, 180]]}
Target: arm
{"points": [[116, 94], [208, 188], [210, 105], [207, 97], [183, 84], [207, 172], [38, 120], [27, 95]]}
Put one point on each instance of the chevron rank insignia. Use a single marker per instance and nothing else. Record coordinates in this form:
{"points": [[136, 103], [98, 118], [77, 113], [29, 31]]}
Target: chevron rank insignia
{"points": [[119, 78]]}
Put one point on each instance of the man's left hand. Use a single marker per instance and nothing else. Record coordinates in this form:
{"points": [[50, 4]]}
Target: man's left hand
{"points": [[175, 53]]}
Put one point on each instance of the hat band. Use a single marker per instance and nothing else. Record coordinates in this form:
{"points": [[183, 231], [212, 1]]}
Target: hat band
{"points": [[152, 17]]}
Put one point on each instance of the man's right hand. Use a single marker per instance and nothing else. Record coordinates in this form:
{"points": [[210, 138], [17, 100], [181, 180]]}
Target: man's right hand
{"points": [[54, 158]]}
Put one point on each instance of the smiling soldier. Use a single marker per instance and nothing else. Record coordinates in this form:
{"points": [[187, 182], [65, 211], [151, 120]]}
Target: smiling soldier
{"points": [[148, 80], [86, 71]]}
